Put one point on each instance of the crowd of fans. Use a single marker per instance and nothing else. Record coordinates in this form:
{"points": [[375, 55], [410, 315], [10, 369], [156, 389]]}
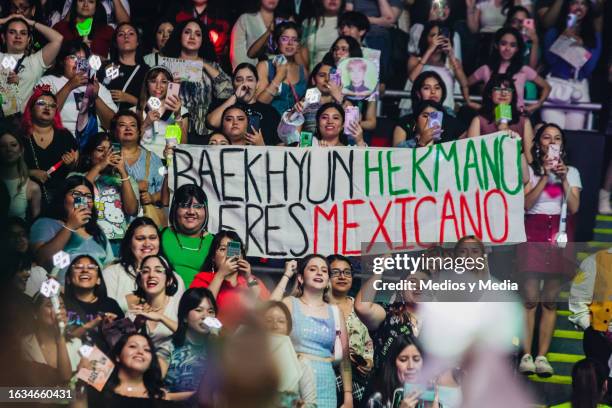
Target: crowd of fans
{"points": [[82, 159]]}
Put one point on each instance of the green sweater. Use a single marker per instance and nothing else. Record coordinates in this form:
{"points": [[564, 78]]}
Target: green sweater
{"points": [[185, 254]]}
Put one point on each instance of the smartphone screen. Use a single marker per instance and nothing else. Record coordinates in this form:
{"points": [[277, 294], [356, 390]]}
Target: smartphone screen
{"points": [[80, 202], [306, 139], [254, 122], [351, 115], [173, 89], [529, 24], [435, 119], [233, 249], [554, 154], [116, 147]]}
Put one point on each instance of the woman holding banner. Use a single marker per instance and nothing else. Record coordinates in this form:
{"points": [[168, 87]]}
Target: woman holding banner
{"points": [[551, 189], [319, 330], [422, 131], [331, 128], [190, 41]]}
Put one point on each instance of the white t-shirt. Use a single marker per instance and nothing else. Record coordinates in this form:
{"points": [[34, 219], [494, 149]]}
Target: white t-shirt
{"points": [[549, 202], [156, 141], [30, 71], [415, 36], [70, 111]]}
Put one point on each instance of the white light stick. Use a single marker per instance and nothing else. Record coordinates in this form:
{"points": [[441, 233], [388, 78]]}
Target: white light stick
{"points": [[9, 63], [213, 324], [155, 103], [50, 288], [94, 62], [560, 239], [112, 72]]}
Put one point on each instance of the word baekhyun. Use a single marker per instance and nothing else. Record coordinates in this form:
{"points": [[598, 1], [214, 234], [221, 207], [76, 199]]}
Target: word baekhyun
{"points": [[409, 263], [446, 285]]}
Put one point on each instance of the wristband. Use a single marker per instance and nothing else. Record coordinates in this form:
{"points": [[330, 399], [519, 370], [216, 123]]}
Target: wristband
{"points": [[125, 179], [68, 228], [286, 276]]}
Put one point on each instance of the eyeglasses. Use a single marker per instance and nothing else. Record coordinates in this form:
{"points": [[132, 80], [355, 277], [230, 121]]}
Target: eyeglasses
{"points": [[335, 273], [501, 90], [288, 40], [195, 206], [41, 103], [78, 194], [81, 267]]}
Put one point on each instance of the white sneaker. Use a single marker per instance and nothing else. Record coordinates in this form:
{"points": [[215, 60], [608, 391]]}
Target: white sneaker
{"points": [[543, 367], [527, 367], [604, 202]]}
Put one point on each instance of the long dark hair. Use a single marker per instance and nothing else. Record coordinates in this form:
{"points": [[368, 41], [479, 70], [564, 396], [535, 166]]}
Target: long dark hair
{"points": [[587, 26], [114, 50], [85, 163], [184, 194], [173, 47], [495, 59], [58, 211], [68, 48], [355, 50], [424, 40], [99, 18], [588, 379], [387, 382], [126, 256], [302, 263], [512, 12], [99, 291], [488, 107], [537, 154], [171, 280], [209, 262], [152, 378], [418, 84], [280, 29], [5, 28], [323, 108], [190, 300]]}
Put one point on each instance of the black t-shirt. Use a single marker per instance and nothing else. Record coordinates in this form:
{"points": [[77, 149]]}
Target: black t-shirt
{"points": [[38, 158], [269, 119], [125, 73], [451, 126], [79, 313]]}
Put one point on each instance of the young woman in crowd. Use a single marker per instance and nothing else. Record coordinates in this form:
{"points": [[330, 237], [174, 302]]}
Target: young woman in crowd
{"points": [[190, 41], [155, 298], [46, 12], [320, 31], [126, 56], [117, 11], [571, 84], [187, 241], [25, 194], [218, 139], [47, 144], [516, 19], [183, 360], [87, 305], [277, 319], [72, 227], [417, 127], [235, 127], [428, 86], [17, 36], [314, 323], [501, 90], [209, 13], [115, 191], [283, 83], [230, 280], [155, 122], [549, 183], [246, 83], [330, 127], [141, 164], [85, 105], [251, 26], [589, 385], [136, 379], [162, 31], [507, 58], [100, 35], [438, 11], [47, 345], [361, 348], [141, 239], [436, 54]]}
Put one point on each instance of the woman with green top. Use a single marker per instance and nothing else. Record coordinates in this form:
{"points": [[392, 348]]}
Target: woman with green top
{"points": [[186, 241]]}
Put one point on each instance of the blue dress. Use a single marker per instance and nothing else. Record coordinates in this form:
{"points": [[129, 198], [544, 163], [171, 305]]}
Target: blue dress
{"points": [[285, 98], [316, 337]]}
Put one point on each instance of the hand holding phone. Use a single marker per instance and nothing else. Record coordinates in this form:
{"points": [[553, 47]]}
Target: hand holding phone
{"points": [[553, 155], [254, 123], [233, 250], [173, 89], [351, 115], [435, 120]]}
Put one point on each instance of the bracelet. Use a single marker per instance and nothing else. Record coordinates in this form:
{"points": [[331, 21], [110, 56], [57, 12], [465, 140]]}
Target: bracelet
{"points": [[125, 179], [68, 228], [286, 276]]}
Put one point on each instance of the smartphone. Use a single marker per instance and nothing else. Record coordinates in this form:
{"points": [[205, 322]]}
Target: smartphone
{"points": [[572, 19], [233, 249], [173, 89], [351, 115], [306, 139], [116, 147], [80, 202], [529, 24], [335, 77], [435, 119], [554, 154], [427, 395], [445, 32], [254, 122], [82, 65]]}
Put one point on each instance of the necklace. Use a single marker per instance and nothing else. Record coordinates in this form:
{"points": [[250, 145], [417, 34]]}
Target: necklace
{"points": [[178, 240], [321, 305]]}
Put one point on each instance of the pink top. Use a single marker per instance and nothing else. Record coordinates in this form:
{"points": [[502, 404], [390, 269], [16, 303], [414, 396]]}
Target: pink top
{"points": [[525, 74]]}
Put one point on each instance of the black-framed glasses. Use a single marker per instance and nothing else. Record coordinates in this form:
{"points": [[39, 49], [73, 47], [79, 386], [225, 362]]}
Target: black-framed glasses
{"points": [[195, 206], [507, 91], [336, 273], [78, 194], [81, 267]]}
